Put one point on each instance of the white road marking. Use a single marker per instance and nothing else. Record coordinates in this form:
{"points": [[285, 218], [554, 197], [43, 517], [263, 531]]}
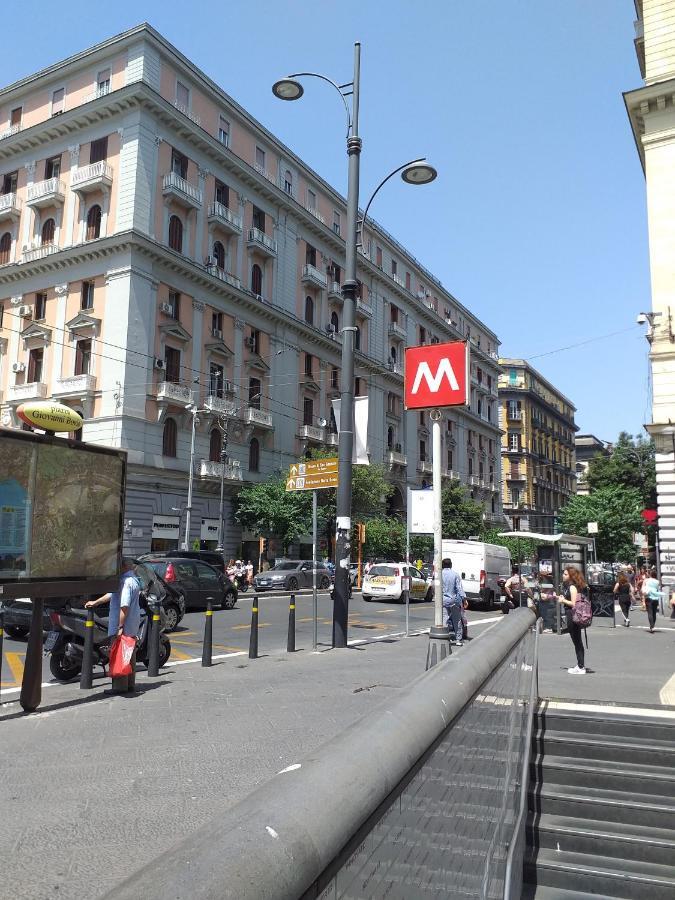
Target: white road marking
{"points": [[667, 693], [647, 712]]}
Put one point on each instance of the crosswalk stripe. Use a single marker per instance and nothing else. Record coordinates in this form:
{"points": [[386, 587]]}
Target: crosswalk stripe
{"points": [[15, 663]]}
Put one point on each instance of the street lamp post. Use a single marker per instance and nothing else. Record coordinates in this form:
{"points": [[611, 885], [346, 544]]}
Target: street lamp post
{"points": [[188, 508], [290, 89]]}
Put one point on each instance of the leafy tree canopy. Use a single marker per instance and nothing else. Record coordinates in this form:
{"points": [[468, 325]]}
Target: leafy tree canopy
{"points": [[462, 518], [617, 510], [385, 539], [266, 508], [631, 464]]}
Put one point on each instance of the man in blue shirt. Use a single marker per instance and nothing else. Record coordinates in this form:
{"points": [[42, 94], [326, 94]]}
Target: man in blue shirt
{"points": [[453, 600], [124, 616]]}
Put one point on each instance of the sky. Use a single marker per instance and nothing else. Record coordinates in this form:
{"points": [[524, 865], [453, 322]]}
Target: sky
{"points": [[537, 220]]}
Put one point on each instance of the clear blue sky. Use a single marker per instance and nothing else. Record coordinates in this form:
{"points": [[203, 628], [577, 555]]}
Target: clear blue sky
{"points": [[537, 220]]}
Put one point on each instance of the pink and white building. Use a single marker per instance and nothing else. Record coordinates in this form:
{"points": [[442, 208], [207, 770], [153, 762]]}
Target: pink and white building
{"points": [[159, 247]]}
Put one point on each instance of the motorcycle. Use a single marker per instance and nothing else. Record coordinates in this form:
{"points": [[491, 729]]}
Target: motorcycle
{"points": [[65, 642]]}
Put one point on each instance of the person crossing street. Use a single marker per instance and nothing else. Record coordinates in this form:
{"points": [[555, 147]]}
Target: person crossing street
{"points": [[453, 600]]}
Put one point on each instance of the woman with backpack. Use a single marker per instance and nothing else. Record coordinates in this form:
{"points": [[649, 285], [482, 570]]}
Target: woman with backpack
{"points": [[624, 589], [651, 591], [575, 598]]}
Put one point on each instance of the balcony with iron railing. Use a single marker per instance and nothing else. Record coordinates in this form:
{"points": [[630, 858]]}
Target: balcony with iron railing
{"points": [[177, 394], [230, 471], [101, 91], [364, 308], [313, 277], [31, 254], [33, 390], [425, 466], [75, 386], [259, 417], [261, 170], [8, 132], [224, 218], [397, 331], [314, 212], [187, 112], [49, 192], [312, 433], [10, 206], [220, 405], [335, 290], [398, 280], [258, 240], [332, 439], [180, 190], [395, 367], [98, 176], [396, 458]]}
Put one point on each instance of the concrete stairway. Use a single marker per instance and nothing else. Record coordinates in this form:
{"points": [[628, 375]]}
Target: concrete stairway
{"points": [[601, 806]]}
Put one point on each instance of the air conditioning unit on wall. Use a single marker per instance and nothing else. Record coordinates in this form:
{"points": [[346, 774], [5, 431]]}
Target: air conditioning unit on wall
{"points": [[25, 311], [18, 367], [166, 308], [159, 363]]}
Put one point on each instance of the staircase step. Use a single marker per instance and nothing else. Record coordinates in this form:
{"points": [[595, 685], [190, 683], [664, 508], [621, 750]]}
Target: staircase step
{"points": [[604, 747], [629, 879], [630, 724], [601, 838], [545, 892], [630, 777], [602, 805]]}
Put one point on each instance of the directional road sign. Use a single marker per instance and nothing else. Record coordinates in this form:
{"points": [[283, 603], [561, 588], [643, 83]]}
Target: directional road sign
{"points": [[313, 475], [437, 375]]}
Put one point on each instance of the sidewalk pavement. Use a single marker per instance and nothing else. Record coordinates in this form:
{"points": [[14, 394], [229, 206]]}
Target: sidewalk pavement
{"points": [[93, 786]]}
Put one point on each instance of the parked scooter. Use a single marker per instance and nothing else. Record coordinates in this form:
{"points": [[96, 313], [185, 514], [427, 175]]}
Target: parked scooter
{"points": [[65, 642]]}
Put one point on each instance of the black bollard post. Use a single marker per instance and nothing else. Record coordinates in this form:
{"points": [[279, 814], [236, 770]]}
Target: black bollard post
{"points": [[153, 649], [87, 675], [290, 647], [208, 635], [253, 643], [31, 683], [2, 634]]}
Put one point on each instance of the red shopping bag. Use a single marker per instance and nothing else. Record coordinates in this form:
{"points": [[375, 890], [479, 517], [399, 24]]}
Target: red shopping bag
{"points": [[121, 652]]}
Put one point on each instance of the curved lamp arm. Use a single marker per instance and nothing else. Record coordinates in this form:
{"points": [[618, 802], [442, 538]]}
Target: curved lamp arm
{"points": [[337, 87], [362, 220]]}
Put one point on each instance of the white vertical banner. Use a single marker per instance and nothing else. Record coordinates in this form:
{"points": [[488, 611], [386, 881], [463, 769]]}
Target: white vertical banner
{"points": [[360, 451], [420, 511]]}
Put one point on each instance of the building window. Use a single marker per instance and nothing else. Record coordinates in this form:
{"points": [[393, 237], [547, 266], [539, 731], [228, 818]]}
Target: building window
{"points": [[222, 194], [393, 313], [172, 364], [514, 441], [256, 280], [423, 335], [216, 374], [174, 303], [182, 95], [103, 83], [308, 411], [309, 310], [94, 223], [310, 255], [470, 466], [394, 267], [53, 167], [449, 460], [332, 424], [98, 150], [87, 295], [254, 389], [311, 199], [336, 222], [334, 376], [288, 182], [217, 321], [169, 438], [407, 281], [214, 445], [5, 248], [58, 102], [179, 163], [390, 438], [35, 364], [83, 357], [40, 306], [9, 182], [515, 496], [219, 254], [378, 257], [309, 361], [254, 455], [48, 231], [176, 234], [15, 117], [260, 158], [334, 322], [357, 387], [357, 338], [423, 451], [224, 131], [258, 219]]}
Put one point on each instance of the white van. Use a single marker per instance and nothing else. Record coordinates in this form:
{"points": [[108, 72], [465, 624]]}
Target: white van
{"points": [[480, 566]]}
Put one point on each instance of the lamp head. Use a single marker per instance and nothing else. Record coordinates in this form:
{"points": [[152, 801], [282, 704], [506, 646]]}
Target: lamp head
{"points": [[419, 172], [287, 89]]}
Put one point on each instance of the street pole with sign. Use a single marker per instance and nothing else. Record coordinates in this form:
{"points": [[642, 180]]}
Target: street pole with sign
{"points": [[437, 376]]}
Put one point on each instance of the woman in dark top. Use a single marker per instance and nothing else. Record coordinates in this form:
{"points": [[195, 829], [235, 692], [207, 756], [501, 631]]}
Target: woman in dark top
{"points": [[574, 587], [624, 589]]}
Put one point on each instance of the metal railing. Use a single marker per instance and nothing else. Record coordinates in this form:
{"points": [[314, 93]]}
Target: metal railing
{"points": [[427, 788]]}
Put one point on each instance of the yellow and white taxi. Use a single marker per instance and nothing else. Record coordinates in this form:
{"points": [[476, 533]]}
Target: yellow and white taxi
{"points": [[384, 580]]}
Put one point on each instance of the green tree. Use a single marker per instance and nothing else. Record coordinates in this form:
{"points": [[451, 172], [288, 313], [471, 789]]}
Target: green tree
{"points": [[616, 509], [462, 518], [630, 464], [385, 538], [519, 548], [266, 508]]}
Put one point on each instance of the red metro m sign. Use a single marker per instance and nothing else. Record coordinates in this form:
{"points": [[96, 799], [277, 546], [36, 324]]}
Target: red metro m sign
{"points": [[437, 375]]}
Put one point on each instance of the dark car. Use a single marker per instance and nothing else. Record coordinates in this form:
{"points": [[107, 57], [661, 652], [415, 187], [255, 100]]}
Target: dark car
{"points": [[196, 580], [292, 575], [208, 556]]}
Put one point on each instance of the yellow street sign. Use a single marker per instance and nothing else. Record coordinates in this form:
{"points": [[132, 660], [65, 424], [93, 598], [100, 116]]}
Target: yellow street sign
{"points": [[313, 475]]}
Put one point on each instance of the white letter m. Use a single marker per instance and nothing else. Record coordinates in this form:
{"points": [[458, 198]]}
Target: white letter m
{"points": [[434, 381]]}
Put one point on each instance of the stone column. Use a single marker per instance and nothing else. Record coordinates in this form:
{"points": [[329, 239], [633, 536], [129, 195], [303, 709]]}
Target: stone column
{"points": [[62, 338], [200, 217], [240, 388], [28, 218], [240, 273], [69, 219], [197, 340]]}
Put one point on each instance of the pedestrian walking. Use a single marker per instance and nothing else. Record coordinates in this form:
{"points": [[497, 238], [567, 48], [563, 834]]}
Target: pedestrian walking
{"points": [[672, 602], [453, 600], [515, 589], [249, 572], [651, 591], [625, 593], [574, 589]]}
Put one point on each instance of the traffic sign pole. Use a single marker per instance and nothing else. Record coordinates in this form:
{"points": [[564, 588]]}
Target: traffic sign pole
{"points": [[315, 604]]}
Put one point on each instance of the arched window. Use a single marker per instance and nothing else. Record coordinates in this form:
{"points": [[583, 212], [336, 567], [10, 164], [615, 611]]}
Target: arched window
{"points": [[48, 230], [5, 248], [357, 338], [219, 254], [176, 234], [94, 222], [334, 322], [256, 279], [288, 182], [214, 445], [254, 455], [390, 438], [169, 438], [309, 310], [392, 354]]}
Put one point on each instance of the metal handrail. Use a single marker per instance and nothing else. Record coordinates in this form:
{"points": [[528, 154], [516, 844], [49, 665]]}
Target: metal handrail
{"points": [[519, 824]]}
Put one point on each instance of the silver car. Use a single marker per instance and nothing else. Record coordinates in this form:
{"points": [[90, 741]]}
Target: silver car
{"points": [[292, 575]]}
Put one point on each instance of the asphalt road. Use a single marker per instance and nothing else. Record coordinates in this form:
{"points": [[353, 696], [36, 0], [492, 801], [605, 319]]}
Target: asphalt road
{"points": [[231, 629]]}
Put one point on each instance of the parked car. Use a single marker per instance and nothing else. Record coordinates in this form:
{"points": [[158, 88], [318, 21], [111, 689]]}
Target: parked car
{"points": [[292, 575], [196, 580], [385, 581], [212, 557]]}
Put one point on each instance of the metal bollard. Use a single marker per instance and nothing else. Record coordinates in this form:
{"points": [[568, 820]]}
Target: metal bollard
{"points": [[153, 637], [253, 642], [2, 635], [207, 647], [87, 675], [290, 647]]}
